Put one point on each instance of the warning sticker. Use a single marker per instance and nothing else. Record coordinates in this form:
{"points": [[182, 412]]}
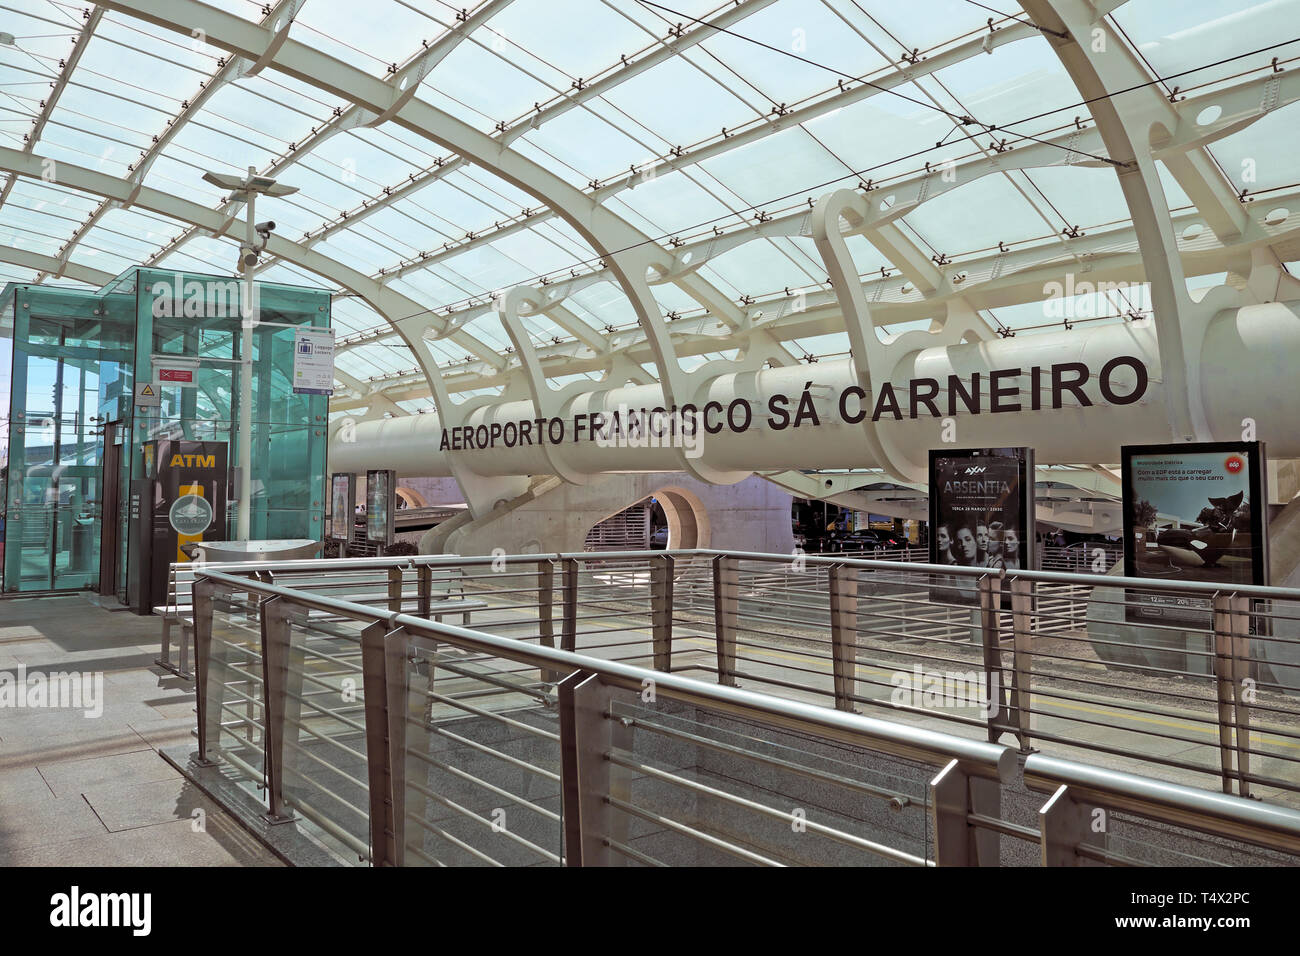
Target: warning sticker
{"points": [[146, 394]]}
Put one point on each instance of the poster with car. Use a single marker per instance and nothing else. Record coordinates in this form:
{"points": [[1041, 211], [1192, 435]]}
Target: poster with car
{"points": [[981, 515], [1194, 512]]}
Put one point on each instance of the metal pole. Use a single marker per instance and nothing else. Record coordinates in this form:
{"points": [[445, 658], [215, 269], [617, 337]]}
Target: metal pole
{"points": [[243, 530]]}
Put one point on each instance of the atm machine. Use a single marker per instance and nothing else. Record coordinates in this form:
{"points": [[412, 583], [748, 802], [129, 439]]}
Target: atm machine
{"points": [[181, 500]]}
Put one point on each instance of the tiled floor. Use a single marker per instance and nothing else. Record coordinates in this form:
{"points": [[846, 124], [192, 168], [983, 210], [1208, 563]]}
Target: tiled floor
{"points": [[78, 790]]}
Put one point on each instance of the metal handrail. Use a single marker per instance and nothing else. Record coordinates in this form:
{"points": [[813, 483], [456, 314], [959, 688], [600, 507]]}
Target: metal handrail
{"points": [[1220, 814], [819, 560], [993, 761]]}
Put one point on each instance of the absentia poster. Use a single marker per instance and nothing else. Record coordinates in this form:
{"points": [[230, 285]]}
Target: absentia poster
{"points": [[981, 515]]}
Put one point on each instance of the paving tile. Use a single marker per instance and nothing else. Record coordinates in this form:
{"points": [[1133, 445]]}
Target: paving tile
{"points": [[28, 751], [125, 805], [223, 843], [166, 732], [34, 820], [71, 777], [20, 633], [21, 783], [176, 709]]}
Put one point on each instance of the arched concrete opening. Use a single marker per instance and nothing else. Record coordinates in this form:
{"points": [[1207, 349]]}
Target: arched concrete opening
{"points": [[688, 519], [686, 515], [410, 498]]}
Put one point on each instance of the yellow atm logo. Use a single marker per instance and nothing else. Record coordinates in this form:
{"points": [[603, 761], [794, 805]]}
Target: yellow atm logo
{"points": [[194, 461]]}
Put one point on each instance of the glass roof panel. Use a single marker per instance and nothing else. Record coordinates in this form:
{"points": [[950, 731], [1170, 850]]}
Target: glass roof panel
{"points": [[790, 161], [386, 33], [655, 98], [133, 79], [1177, 35], [755, 52]]}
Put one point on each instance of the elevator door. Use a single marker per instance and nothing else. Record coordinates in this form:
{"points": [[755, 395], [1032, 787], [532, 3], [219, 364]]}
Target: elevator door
{"points": [[55, 487]]}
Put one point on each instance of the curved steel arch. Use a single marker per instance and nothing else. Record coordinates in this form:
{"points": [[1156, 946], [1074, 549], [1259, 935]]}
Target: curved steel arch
{"points": [[629, 252], [1128, 136], [43, 263], [381, 298]]}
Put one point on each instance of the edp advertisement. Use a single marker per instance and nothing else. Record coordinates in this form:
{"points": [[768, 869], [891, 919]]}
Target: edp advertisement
{"points": [[1193, 512]]}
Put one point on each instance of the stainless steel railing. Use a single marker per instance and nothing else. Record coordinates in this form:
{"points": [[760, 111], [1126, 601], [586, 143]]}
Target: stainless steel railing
{"points": [[1076, 825], [343, 760], [1214, 699], [414, 742]]}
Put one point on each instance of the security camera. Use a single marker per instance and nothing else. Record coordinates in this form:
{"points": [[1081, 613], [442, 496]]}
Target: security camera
{"points": [[247, 257], [265, 227]]}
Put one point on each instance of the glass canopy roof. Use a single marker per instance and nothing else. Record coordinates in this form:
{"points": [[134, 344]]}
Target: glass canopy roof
{"points": [[708, 127]]}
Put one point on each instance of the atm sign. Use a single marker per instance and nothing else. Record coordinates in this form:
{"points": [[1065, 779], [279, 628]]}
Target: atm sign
{"points": [[193, 461]]}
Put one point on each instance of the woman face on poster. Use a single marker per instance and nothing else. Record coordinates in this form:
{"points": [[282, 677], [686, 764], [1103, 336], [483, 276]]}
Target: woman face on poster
{"points": [[1011, 547], [967, 548], [993, 546], [943, 538]]}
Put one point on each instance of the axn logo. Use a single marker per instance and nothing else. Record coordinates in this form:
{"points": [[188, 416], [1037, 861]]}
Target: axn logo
{"points": [[193, 461]]}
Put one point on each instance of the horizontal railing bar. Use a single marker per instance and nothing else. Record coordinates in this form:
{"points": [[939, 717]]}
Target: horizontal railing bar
{"points": [[1005, 827], [484, 748], [1261, 824], [632, 854], [899, 740], [879, 849], [691, 832], [455, 841], [777, 762], [471, 815]]}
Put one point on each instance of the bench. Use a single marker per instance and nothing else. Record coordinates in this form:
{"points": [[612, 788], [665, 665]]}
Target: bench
{"points": [[178, 610], [446, 590]]}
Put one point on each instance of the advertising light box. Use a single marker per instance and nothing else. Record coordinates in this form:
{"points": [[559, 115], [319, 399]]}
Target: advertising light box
{"points": [[1193, 512], [381, 506], [981, 513], [343, 497]]}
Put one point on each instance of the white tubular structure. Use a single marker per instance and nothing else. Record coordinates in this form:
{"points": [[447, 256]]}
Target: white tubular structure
{"points": [[1250, 369]]}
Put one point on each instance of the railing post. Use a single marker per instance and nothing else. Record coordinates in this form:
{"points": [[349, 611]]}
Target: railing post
{"points": [[1063, 826], [954, 796], [546, 614], [385, 687], [726, 610], [1022, 660], [569, 788], [1231, 670], [843, 583], [208, 726], [661, 610], [1239, 621], [569, 604], [275, 688], [395, 590], [990, 597], [587, 735], [426, 590]]}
